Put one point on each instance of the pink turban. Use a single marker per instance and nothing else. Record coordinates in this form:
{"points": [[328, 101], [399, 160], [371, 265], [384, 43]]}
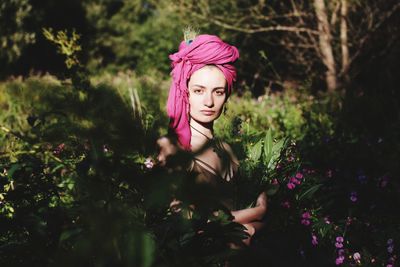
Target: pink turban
{"points": [[204, 50]]}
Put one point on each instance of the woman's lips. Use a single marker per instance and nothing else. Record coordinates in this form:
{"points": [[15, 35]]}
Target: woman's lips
{"points": [[207, 112]]}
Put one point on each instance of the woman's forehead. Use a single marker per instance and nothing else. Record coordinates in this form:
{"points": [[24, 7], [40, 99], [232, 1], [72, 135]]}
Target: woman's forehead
{"points": [[208, 76]]}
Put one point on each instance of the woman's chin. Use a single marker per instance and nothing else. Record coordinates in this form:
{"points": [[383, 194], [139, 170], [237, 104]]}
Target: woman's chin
{"points": [[207, 119]]}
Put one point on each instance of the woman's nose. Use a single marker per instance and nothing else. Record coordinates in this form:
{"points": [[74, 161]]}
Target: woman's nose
{"points": [[208, 100]]}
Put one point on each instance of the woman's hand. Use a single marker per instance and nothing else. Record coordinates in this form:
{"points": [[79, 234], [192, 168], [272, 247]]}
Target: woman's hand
{"points": [[167, 149], [262, 202]]}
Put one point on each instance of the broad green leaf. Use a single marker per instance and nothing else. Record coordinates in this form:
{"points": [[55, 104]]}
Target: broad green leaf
{"points": [[276, 151], [255, 151]]}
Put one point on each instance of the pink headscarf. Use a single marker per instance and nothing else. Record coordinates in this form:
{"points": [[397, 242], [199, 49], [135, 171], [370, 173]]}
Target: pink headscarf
{"points": [[204, 50]]}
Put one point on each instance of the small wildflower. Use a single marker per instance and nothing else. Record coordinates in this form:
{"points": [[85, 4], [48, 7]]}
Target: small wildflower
{"points": [[306, 215], [149, 163], [286, 204], [390, 249], [305, 222], [274, 181], [105, 148], [326, 220], [291, 186], [384, 181], [362, 178], [294, 181], [338, 245], [339, 260], [357, 256], [353, 196], [339, 239], [59, 149], [299, 175], [314, 240]]}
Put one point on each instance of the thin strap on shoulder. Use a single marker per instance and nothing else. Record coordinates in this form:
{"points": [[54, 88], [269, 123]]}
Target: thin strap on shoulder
{"points": [[208, 166]]}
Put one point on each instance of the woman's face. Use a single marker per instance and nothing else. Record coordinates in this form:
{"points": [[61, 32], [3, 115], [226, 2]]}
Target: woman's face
{"points": [[207, 94]]}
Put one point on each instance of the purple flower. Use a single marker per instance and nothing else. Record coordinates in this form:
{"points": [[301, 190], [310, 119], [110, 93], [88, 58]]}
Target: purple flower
{"points": [[339, 260], [341, 252], [306, 215], [305, 222], [353, 196], [384, 181], [362, 178], [314, 240], [338, 245], [390, 249], [390, 241], [339, 239]]}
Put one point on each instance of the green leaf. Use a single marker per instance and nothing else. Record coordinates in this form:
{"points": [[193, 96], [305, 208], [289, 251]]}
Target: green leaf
{"points": [[276, 151], [308, 193], [268, 145], [255, 152], [14, 168]]}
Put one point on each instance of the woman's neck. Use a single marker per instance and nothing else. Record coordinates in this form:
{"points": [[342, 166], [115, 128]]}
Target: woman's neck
{"points": [[202, 129]]}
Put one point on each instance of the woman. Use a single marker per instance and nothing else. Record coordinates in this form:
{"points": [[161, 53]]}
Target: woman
{"points": [[202, 79]]}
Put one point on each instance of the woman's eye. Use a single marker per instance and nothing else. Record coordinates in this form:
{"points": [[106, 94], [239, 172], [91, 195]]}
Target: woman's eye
{"points": [[197, 91], [219, 93]]}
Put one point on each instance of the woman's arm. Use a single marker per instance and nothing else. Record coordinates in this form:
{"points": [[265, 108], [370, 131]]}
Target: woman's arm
{"points": [[256, 213]]}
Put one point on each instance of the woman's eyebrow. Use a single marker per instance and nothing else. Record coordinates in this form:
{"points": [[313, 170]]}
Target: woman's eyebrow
{"points": [[215, 88], [198, 85]]}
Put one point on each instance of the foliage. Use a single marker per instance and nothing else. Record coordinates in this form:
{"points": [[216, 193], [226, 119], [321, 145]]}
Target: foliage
{"points": [[132, 34], [14, 33]]}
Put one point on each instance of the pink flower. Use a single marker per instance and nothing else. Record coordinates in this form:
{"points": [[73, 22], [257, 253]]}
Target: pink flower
{"points": [[274, 182], [291, 186], [286, 204], [314, 240], [305, 222], [294, 180], [338, 245], [339, 260], [356, 256], [306, 215], [339, 239], [299, 175], [327, 221]]}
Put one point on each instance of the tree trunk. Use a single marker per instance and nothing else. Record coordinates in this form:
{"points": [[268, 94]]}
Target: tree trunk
{"points": [[325, 44], [344, 40]]}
